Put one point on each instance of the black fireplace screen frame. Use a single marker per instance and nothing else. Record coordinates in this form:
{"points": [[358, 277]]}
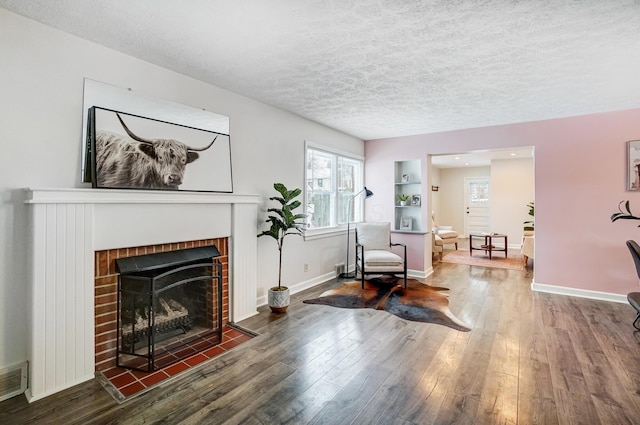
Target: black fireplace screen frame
{"points": [[146, 345]]}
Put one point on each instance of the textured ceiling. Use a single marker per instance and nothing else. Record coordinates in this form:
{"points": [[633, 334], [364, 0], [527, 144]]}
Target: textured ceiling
{"points": [[375, 68]]}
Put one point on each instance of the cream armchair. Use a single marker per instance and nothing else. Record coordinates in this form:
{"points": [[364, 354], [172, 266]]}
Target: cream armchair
{"points": [[373, 252], [441, 236]]}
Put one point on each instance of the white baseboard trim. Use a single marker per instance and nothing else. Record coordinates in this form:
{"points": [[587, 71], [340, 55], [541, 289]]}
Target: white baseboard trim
{"points": [[33, 397], [582, 293], [298, 287], [420, 274]]}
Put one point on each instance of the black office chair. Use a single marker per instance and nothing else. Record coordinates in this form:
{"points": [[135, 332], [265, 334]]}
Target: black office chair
{"points": [[634, 297]]}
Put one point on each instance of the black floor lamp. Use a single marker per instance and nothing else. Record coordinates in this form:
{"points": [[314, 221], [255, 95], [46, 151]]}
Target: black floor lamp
{"points": [[367, 194]]}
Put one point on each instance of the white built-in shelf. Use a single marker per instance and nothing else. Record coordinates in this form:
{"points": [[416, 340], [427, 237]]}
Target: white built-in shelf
{"points": [[407, 170]]}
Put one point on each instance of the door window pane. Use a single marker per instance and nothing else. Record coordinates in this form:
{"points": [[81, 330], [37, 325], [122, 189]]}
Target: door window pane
{"points": [[478, 193]]}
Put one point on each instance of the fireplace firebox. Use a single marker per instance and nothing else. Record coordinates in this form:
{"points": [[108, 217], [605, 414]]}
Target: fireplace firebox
{"points": [[169, 307]]}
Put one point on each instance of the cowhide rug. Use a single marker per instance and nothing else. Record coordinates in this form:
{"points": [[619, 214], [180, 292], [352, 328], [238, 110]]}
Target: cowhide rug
{"points": [[419, 302]]}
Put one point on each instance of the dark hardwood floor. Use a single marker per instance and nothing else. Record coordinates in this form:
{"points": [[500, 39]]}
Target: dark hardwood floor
{"points": [[531, 358]]}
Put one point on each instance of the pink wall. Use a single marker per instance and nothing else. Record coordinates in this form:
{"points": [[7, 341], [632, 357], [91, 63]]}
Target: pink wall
{"points": [[580, 174]]}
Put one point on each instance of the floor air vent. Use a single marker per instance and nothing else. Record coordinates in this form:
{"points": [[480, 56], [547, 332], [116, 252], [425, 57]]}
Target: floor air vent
{"points": [[13, 381]]}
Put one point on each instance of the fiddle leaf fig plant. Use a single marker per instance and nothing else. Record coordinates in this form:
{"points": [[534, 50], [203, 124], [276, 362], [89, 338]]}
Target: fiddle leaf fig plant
{"points": [[624, 215], [284, 221]]}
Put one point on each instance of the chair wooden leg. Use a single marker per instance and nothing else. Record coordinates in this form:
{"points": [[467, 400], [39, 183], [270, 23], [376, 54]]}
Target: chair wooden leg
{"points": [[440, 255], [456, 246]]}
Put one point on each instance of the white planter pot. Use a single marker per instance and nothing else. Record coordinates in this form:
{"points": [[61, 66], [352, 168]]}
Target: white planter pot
{"points": [[403, 203], [279, 300]]}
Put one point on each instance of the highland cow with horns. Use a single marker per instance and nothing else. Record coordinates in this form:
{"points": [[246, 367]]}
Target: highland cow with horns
{"points": [[142, 163]]}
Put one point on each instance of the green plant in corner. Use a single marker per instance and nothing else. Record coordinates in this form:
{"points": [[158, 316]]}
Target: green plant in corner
{"points": [[402, 197], [529, 225], [283, 222]]}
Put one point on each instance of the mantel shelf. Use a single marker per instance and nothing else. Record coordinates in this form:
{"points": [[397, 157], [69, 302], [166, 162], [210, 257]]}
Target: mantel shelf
{"points": [[124, 196]]}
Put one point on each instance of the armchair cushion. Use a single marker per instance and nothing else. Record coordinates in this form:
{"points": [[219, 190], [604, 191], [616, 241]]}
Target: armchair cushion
{"points": [[377, 257], [374, 235], [445, 232]]}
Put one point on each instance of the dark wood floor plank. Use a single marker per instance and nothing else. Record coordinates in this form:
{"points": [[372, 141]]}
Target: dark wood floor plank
{"points": [[300, 409], [230, 403], [536, 397], [499, 400], [348, 403], [280, 403], [423, 405], [566, 373], [575, 408], [390, 402]]}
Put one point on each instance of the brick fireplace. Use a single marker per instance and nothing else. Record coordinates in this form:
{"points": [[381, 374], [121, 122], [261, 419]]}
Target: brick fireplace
{"points": [[106, 288], [75, 234]]}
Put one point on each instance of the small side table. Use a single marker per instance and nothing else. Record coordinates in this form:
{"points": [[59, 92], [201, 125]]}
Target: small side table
{"points": [[487, 246]]}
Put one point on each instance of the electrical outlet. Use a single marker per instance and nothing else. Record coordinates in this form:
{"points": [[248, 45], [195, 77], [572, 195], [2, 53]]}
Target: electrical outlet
{"points": [[306, 267]]}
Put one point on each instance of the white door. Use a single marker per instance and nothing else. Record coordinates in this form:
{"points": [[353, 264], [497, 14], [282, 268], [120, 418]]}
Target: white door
{"points": [[477, 217]]}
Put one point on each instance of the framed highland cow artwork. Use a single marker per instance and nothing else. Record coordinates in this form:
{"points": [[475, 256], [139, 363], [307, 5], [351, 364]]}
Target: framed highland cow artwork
{"points": [[129, 151]]}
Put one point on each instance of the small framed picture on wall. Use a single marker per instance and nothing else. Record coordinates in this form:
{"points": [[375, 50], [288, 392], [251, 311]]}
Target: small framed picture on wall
{"points": [[405, 178], [633, 165]]}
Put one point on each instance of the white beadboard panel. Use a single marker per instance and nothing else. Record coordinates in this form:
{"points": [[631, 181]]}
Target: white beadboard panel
{"points": [[244, 261], [37, 317], [62, 291], [85, 272], [50, 297], [68, 225], [62, 340]]}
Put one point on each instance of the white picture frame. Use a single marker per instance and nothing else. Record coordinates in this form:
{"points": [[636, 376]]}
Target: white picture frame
{"points": [[416, 200], [405, 178], [406, 223]]}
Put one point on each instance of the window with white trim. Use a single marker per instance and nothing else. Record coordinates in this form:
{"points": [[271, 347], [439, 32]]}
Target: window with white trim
{"points": [[332, 179]]}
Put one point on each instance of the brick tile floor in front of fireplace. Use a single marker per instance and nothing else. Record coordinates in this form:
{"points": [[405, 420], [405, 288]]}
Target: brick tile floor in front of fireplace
{"points": [[128, 383]]}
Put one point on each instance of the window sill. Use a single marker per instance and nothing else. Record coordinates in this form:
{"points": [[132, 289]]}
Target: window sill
{"points": [[329, 232]]}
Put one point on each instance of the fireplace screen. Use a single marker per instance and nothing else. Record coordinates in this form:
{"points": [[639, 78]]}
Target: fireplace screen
{"points": [[169, 307]]}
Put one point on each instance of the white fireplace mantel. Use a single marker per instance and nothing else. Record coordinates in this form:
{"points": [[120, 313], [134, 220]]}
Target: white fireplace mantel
{"points": [[68, 225]]}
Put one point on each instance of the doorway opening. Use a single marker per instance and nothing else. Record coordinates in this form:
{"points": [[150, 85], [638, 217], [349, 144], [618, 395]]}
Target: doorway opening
{"points": [[483, 191]]}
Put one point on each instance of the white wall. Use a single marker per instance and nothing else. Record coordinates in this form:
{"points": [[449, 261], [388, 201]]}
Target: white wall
{"points": [[42, 76], [511, 190]]}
